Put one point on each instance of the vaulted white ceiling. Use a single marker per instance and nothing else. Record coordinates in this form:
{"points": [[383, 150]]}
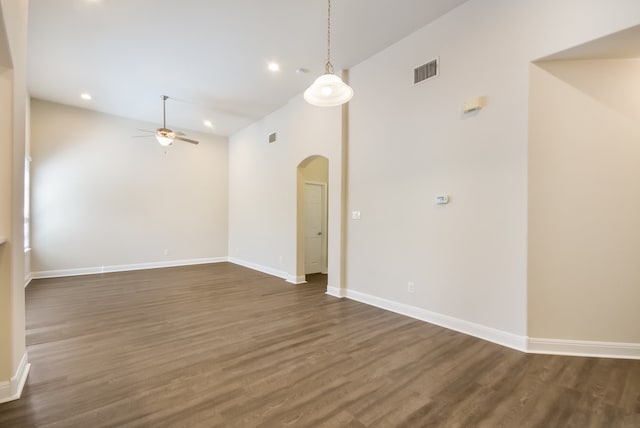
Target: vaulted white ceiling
{"points": [[210, 56]]}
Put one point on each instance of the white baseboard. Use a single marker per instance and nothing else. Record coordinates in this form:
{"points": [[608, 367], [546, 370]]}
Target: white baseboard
{"points": [[12, 390], [336, 292], [124, 268], [291, 279], [581, 348], [577, 348], [500, 337], [259, 268], [296, 279]]}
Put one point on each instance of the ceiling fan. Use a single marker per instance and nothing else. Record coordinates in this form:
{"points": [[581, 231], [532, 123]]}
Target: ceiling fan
{"points": [[164, 135]]}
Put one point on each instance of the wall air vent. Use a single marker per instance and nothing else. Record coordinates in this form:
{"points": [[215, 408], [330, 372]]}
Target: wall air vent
{"points": [[427, 71], [272, 137]]}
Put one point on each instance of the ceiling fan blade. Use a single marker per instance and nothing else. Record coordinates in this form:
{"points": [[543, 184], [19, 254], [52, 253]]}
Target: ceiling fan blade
{"points": [[141, 136], [146, 130], [186, 140]]}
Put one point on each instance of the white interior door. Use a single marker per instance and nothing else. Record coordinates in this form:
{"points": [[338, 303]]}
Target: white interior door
{"points": [[314, 228]]}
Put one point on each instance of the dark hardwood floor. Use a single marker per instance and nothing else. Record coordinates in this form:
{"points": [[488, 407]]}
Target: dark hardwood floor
{"points": [[221, 345]]}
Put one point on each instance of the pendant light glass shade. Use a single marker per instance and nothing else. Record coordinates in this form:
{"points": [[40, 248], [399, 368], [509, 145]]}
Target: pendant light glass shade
{"points": [[327, 91]]}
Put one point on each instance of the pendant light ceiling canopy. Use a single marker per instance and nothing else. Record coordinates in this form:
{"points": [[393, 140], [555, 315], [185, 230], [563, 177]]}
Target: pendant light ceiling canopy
{"points": [[328, 90]]}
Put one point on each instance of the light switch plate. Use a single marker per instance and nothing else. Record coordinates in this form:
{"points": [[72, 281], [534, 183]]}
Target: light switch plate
{"points": [[355, 215]]}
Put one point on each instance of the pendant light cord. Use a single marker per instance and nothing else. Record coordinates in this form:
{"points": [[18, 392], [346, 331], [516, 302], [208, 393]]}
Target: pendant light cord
{"points": [[328, 90], [328, 65]]}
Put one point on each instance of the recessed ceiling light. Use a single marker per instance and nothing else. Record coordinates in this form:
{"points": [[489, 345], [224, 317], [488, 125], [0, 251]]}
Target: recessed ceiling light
{"points": [[274, 66], [85, 96], [207, 123]]}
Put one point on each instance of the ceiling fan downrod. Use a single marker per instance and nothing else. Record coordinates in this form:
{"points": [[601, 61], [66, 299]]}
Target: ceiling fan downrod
{"points": [[164, 111]]}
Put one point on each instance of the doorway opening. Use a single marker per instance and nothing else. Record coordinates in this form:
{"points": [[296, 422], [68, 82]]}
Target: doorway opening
{"points": [[312, 228]]}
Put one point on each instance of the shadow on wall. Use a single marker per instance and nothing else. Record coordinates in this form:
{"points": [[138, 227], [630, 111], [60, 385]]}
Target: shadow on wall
{"points": [[584, 200], [608, 82]]}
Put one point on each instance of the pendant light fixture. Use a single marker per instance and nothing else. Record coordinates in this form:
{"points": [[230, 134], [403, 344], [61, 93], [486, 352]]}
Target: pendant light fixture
{"points": [[328, 90]]}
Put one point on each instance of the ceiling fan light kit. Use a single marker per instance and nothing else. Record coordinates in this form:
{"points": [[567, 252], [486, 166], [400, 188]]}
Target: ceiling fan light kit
{"points": [[328, 90], [164, 135]]}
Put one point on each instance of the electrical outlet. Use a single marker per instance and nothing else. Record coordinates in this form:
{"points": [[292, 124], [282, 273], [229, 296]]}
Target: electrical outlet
{"points": [[411, 287]]}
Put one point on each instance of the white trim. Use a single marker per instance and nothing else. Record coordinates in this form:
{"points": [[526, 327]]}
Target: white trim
{"points": [[124, 268], [336, 292], [12, 390], [65, 272], [259, 268], [296, 279], [531, 345], [583, 348], [27, 280], [491, 334]]}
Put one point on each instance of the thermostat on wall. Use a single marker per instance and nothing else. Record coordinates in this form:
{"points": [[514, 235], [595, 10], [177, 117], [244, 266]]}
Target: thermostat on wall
{"points": [[442, 199]]}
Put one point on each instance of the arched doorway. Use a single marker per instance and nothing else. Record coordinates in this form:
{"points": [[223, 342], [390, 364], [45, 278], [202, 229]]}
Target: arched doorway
{"points": [[312, 219]]}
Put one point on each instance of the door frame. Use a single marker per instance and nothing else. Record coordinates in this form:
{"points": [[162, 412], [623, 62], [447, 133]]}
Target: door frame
{"points": [[323, 228], [333, 263]]}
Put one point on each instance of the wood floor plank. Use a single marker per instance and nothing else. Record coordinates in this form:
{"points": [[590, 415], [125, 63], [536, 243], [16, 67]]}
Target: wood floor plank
{"points": [[222, 345]]}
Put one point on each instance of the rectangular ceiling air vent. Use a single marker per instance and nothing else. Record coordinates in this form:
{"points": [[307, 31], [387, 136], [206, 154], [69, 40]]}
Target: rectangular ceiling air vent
{"points": [[425, 72], [272, 137]]}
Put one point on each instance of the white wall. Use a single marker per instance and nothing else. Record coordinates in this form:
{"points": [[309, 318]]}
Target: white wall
{"points": [[584, 200], [408, 143], [6, 289], [14, 365], [263, 187], [102, 198], [27, 188]]}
